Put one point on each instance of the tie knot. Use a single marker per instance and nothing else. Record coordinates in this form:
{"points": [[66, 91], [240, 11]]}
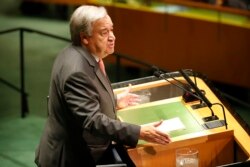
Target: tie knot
{"points": [[102, 66]]}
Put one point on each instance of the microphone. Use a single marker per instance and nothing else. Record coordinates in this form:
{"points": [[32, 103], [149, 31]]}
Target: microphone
{"points": [[201, 95], [157, 69], [158, 74], [186, 88], [210, 121], [197, 90], [212, 118]]}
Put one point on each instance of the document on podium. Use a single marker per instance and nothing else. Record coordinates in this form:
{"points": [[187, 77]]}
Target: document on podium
{"points": [[177, 120], [170, 125]]}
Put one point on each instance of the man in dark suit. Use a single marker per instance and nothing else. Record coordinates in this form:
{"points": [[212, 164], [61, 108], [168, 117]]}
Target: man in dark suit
{"points": [[82, 122]]}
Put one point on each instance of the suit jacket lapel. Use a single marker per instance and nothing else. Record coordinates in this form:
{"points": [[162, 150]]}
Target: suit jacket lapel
{"points": [[105, 82]]}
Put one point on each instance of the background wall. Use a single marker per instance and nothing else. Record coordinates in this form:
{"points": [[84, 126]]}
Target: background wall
{"points": [[10, 6]]}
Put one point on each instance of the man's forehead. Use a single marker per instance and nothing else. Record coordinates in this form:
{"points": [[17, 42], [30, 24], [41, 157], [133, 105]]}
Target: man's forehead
{"points": [[105, 21]]}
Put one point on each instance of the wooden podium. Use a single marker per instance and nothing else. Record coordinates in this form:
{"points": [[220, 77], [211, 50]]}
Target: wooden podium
{"points": [[216, 146]]}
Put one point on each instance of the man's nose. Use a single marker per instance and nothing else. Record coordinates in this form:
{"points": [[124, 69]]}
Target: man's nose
{"points": [[111, 35]]}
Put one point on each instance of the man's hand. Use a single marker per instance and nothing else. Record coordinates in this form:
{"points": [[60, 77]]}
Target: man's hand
{"points": [[150, 133], [126, 98]]}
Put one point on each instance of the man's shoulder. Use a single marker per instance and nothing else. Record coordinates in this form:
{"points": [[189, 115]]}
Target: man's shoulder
{"points": [[76, 52], [70, 50], [69, 54]]}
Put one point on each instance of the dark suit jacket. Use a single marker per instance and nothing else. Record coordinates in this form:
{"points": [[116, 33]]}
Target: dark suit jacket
{"points": [[82, 116]]}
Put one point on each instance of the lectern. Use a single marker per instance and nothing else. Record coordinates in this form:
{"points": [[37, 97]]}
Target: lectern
{"points": [[162, 100]]}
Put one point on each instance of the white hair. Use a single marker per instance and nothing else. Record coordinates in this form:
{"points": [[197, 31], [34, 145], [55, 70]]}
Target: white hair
{"points": [[82, 19]]}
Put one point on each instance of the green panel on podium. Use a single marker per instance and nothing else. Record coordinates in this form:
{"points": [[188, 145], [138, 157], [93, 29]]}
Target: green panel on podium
{"points": [[166, 111]]}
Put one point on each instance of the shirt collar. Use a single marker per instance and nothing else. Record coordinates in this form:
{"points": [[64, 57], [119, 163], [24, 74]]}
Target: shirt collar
{"points": [[96, 58]]}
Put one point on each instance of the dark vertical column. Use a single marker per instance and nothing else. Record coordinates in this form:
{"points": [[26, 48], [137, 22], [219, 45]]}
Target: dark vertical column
{"points": [[118, 68], [24, 102]]}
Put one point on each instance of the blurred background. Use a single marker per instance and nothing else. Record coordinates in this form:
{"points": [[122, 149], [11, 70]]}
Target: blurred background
{"points": [[209, 36]]}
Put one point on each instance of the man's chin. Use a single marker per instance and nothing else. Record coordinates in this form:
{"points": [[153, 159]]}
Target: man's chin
{"points": [[109, 52]]}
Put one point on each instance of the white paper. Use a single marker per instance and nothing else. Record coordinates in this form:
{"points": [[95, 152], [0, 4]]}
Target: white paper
{"points": [[170, 125]]}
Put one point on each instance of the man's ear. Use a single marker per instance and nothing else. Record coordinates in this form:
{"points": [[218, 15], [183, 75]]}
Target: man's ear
{"points": [[84, 38]]}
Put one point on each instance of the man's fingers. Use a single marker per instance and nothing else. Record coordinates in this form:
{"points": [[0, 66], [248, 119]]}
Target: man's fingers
{"points": [[163, 136], [129, 88], [152, 134], [158, 123], [160, 137]]}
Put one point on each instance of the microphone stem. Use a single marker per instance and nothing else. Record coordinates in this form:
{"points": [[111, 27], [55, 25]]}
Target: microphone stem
{"points": [[182, 88]]}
